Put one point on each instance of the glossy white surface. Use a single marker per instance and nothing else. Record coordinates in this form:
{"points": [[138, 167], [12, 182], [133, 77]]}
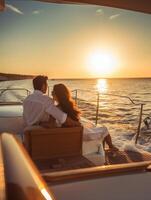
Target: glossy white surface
{"points": [[11, 119], [11, 111], [119, 187]]}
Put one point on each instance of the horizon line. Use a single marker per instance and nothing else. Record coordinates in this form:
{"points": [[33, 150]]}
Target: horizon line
{"points": [[139, 77]]}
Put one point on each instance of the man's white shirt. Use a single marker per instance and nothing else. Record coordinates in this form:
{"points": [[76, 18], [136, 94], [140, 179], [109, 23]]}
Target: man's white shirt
{"points": [[37, 107]]}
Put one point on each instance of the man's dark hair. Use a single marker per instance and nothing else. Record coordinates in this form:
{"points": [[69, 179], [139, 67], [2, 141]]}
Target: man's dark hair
{"points": [[38, 82]]}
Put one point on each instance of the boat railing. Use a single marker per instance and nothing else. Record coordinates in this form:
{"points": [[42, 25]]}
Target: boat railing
{"points": [[76, 97], [98, 94], [4, 90]]}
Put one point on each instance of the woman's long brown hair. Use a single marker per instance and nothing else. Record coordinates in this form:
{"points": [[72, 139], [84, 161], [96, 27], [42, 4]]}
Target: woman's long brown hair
{"points": [[65, 101]]}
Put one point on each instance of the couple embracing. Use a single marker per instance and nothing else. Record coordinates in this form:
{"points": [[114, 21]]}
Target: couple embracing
{"points": [[40, 109]]}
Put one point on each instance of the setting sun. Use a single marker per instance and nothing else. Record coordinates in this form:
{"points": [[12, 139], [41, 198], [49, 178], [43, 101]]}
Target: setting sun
{"points": [[102, 63]]}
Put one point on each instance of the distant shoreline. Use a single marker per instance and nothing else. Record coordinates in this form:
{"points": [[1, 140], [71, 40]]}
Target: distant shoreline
{"points": [[11, 77]]}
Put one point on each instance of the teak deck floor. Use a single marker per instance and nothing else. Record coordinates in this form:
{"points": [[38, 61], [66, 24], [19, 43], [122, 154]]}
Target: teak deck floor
{"points": [[122, 157], [66, 163]]}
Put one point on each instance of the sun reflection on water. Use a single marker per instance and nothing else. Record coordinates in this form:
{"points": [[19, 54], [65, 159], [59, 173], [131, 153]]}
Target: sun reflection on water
{"points": [[102, 85]]}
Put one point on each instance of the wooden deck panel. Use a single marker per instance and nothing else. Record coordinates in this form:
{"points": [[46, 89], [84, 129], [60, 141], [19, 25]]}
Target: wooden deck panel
{"points": [[79, 162], [122, 157], [64, 163]]}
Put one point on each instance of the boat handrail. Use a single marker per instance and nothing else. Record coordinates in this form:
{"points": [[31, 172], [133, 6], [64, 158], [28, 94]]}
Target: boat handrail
{"points": [[141, 104], [134, 102], [2, 175], [21, 175], [2, 90], [108, 94], [99, 171]]}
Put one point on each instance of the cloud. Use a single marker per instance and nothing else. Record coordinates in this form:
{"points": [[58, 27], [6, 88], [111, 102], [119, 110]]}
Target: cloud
{"points": [[99, 12], [14, 9], [114, 16], [35, 12]]}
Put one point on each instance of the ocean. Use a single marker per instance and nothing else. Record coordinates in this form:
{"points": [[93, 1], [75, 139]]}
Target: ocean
{"points": [[114, 108]]}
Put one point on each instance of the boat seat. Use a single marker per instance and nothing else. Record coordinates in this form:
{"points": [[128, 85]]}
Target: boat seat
{"points": [[46, 143]]}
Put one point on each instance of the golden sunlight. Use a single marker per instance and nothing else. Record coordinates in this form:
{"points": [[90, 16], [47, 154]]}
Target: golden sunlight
{"points": [[101, 63], [101, 85], [46, 194]]}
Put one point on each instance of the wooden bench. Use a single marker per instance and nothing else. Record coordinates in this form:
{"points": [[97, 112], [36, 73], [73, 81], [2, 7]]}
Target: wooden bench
{"points": [[43, 143]]}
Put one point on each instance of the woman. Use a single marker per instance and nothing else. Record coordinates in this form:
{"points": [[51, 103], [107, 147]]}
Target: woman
{"points": [[62, 97]]}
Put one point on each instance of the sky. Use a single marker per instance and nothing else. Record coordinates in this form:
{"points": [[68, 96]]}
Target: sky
{"points": [[74, 41]]}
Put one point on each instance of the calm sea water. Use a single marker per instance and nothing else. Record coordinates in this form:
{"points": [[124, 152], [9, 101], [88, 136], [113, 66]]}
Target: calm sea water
{"points": [[117, 113]]}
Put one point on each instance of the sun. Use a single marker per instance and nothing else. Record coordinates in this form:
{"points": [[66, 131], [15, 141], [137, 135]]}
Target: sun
{"points": [[102, 63]]}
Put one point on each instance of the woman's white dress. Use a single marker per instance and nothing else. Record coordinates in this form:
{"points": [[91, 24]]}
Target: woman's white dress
{"points": [[93, 132]]}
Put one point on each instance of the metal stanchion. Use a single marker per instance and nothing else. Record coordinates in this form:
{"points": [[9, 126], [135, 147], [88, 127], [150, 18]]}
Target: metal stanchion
{"points": [[139, 124], [97, 108]]}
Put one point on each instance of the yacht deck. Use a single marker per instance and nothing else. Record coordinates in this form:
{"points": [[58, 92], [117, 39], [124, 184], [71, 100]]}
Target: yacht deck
{"points": [[91, 160]]}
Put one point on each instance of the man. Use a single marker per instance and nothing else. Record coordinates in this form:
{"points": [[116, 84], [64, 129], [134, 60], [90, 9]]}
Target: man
{"points": [[38, 107]]}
